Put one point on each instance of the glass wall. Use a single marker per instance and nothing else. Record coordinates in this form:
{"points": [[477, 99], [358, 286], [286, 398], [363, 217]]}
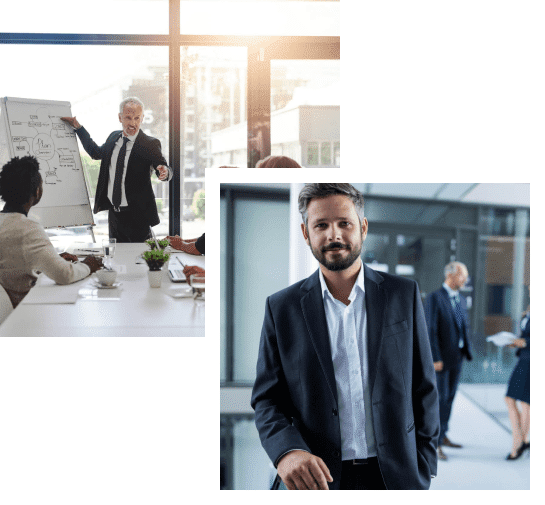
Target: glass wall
{"points": [[259, 226]]}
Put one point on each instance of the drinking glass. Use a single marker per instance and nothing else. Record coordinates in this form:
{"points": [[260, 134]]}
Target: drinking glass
{"points": [[197, 284], [108, 247]]}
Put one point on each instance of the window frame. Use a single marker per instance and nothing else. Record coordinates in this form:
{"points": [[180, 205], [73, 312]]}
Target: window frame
{"points": [[261, 50]]}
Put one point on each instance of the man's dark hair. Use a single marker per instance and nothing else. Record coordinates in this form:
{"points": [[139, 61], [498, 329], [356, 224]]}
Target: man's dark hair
{"points": [[312, 191], [19, 180]]}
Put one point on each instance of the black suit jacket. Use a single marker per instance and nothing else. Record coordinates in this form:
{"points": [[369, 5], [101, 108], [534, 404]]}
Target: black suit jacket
{"points": [[295, 395], [199, 244], [443, 333], [146, 152]]}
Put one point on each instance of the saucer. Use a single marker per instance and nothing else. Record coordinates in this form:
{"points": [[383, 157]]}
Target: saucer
{"points": [[97, 284]]}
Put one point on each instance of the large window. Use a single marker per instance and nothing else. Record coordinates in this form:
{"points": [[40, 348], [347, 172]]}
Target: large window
{"points": [[94, 97], [260, 17], [99, 16], [305, 111], [201, 67]]}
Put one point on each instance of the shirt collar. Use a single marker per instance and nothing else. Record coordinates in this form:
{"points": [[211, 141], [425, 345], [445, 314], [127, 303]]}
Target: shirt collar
{"points": [[132, 138], [450, 291], [358, 284]]}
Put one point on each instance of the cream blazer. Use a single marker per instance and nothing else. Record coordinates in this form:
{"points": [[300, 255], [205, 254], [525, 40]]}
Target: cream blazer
{"points": [[25, 251]]}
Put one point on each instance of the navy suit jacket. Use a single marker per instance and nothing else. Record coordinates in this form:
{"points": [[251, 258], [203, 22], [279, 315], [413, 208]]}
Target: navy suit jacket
{"points": [[444, 337], [295, 395], [146, 152]]}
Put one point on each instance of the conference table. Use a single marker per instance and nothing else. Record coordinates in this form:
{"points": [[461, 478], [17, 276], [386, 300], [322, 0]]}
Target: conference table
{"points": [[133, 309]]}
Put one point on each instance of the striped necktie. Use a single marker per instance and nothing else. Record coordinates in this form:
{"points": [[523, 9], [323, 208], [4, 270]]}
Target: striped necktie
{"points": [[458, 311], [459, 316]]}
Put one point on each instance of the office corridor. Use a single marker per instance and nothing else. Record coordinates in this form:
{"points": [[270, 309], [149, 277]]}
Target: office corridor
{"points": [[481, 463]]}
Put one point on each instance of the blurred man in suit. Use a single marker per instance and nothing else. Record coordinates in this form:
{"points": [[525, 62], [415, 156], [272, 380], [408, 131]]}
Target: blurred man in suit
{"points": [[448, 327], [345, 394], [129, 157]]}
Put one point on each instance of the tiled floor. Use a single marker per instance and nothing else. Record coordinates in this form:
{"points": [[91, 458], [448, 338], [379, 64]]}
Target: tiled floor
{"points": [[486, 438]]}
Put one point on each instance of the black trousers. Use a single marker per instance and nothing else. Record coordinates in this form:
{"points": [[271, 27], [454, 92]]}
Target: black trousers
{"points": [[362, 477], [447, 384], [128, 226]]}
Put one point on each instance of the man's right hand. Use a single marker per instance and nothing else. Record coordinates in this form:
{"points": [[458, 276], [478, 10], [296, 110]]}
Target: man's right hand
{"points": [[93, 263], [302, 470], [438, 365], [72, 121]]}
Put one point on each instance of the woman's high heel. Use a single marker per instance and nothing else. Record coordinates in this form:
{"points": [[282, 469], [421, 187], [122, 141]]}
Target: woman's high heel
{"points": [[518, 454]]}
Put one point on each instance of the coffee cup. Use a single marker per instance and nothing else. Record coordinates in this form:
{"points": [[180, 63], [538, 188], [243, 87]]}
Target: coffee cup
{"points": [[106, 277]]}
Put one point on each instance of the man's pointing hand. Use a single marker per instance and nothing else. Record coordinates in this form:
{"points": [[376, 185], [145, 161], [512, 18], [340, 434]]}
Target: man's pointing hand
{"points": [[302, 470], [72, 121]]}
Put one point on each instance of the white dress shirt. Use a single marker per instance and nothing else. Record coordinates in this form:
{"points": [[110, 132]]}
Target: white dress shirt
{"points": [[113, 164], [347, 325]]}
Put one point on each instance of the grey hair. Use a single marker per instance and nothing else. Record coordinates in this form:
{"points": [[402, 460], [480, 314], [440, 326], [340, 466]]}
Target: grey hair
{"points": [[130, 99], [452, 268], [316, 190]]}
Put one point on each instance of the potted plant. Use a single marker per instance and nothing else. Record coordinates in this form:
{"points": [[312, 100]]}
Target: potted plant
{"points": [[155, 259], [163, 244]]}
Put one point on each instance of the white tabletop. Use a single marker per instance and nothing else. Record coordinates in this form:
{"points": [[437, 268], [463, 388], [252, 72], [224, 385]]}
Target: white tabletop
{"points": [[137, 310]]}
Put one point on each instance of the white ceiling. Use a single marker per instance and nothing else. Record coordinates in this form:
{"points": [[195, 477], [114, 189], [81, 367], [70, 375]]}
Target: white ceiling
{"points": [[516, 194]]}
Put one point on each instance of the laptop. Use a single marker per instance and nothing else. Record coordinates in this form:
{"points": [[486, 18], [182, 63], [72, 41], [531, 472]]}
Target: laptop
{"points": [[176, 271]]}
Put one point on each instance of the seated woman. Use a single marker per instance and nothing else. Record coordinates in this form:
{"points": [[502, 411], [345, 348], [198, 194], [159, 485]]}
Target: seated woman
{"points": [[193, 246], [25, 249]]}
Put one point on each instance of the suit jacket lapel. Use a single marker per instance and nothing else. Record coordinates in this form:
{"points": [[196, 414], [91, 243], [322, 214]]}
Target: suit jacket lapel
{"points": [[112, 145], [104, 174], [375, 306], [312, 305], [136, 146]]}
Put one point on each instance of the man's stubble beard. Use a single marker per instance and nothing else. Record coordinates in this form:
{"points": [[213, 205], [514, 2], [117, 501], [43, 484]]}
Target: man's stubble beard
{"points": [[341, 264]]}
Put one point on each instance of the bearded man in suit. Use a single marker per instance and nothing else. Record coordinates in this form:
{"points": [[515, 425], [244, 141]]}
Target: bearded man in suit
{"points": [[128, 158], [345, 394]]}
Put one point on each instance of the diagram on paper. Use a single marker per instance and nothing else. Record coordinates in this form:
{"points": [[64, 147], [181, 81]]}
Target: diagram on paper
{"points": [[38, 131]]}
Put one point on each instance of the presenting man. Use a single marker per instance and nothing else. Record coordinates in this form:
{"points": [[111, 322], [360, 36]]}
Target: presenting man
{"points": [[124, 181], [448, 326], [345, 394]]}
